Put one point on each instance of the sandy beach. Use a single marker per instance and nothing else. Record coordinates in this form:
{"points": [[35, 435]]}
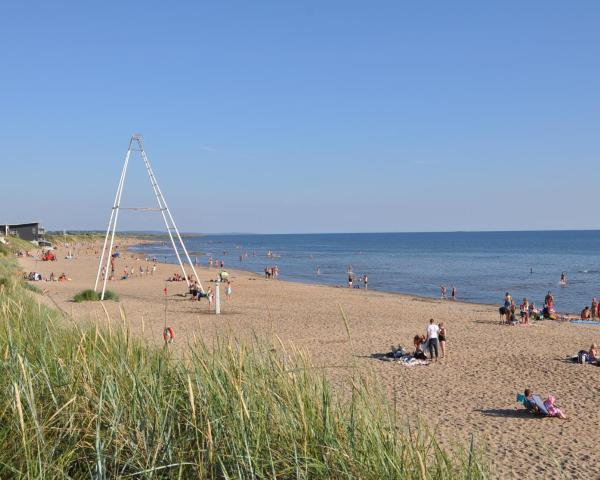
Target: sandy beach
{"points": [[471, 392]]}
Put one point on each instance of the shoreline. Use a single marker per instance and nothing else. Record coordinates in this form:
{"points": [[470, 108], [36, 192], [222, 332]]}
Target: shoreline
{"points": [[415, 296]]}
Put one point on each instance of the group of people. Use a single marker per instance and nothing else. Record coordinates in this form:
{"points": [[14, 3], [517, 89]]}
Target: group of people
{"points": [[38, 277], [591, 313], [178, 277], [364, 279], [533, 403], [130, 272], [434, 341], [197, 294], [272, 272], [527, 310], [216, 263], [444, 291]]}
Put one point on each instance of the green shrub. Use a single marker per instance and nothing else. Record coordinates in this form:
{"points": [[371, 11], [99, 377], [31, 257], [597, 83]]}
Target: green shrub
{"points": [[90, 295]]}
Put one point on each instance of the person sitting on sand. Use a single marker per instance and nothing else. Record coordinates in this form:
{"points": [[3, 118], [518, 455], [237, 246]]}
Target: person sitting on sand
{"points": [[529, 403], [512, 318], [549, 301], [418, 342], [534, 313], [593, 353], [553, 410], [586, 313]]}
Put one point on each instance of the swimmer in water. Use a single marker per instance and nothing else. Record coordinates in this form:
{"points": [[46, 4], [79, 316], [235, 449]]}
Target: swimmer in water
{"points": [[563, 278]]}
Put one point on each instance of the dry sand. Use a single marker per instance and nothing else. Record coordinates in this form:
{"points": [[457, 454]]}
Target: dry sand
{"points": [[472, 391]]}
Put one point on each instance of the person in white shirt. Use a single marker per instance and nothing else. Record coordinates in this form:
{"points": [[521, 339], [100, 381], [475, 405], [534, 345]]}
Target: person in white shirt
{"points": [[432, 339]]}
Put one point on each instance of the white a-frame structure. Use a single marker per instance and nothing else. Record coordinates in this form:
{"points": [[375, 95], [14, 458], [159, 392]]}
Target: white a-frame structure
{"points": [[136, 144]]}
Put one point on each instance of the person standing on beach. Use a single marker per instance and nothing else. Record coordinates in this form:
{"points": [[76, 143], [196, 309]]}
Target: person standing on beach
{"points": [[366, 280], [453, 293], [442, 338], [210, 297], [228, 290], [594, 308], [432, 340], [443, 292]]}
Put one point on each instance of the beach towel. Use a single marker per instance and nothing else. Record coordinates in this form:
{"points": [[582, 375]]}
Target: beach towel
{"points": [[586, 322]]}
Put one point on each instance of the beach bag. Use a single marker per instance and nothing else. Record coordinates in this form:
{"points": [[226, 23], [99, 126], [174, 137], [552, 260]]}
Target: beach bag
{"points": [[582, 356]]}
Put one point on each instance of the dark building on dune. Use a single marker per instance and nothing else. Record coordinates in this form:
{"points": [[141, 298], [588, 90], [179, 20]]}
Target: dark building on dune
{"points": [[25, 231]]}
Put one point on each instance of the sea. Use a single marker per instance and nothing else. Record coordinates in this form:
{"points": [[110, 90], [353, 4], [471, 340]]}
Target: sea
{"points": [[482, 266]]}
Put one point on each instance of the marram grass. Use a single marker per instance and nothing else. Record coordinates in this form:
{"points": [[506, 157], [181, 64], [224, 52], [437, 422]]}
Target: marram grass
{"points": [[96, 403], [93, 296]]}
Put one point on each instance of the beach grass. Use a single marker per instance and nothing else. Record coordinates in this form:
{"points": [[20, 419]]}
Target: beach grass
{"points": [[90, 295], [96, 403]]}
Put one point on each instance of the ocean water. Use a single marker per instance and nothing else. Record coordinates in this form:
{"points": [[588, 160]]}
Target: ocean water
{"points": [[481, 265]]}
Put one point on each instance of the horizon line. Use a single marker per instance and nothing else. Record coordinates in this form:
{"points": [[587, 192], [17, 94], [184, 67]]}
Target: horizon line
{"points": [[333, 233]]}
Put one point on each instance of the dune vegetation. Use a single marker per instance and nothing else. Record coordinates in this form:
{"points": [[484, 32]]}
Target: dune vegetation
{"points": [[93, 402]]}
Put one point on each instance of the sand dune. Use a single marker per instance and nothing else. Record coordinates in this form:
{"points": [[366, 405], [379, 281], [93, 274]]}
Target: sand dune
{"points": [[472, 392]]}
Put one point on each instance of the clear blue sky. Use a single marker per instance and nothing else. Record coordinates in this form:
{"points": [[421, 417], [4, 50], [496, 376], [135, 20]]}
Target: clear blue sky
{"points": [[320, 116]]}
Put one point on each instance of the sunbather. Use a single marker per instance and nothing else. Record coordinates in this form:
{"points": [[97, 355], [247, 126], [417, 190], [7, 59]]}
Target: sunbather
{"points": [[553, 411], [586, 313], [529, 402]]}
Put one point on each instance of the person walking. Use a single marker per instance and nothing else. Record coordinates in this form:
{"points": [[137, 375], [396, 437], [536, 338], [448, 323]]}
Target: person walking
{"points": [[453, 293], [433, 332]]}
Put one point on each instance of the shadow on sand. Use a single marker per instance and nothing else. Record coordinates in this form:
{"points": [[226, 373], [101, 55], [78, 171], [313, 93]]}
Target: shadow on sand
{"points": [[508, 413]]}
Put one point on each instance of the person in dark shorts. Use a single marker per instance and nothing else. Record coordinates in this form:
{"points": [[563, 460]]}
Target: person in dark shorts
{"points": [[442, 338], [432, 338]]}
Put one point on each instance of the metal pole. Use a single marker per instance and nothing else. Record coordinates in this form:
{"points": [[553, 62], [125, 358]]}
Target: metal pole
{"points": [[164, 207], [112, 212], [176, 230], [218, 297], [116, 207]]}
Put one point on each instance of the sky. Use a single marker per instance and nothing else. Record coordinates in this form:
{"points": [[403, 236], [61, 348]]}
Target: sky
{"points": [[303, 116]]}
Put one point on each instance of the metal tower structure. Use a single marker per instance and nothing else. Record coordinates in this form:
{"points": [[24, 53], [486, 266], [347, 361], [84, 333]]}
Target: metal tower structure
{"points": [[172, 230]]}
